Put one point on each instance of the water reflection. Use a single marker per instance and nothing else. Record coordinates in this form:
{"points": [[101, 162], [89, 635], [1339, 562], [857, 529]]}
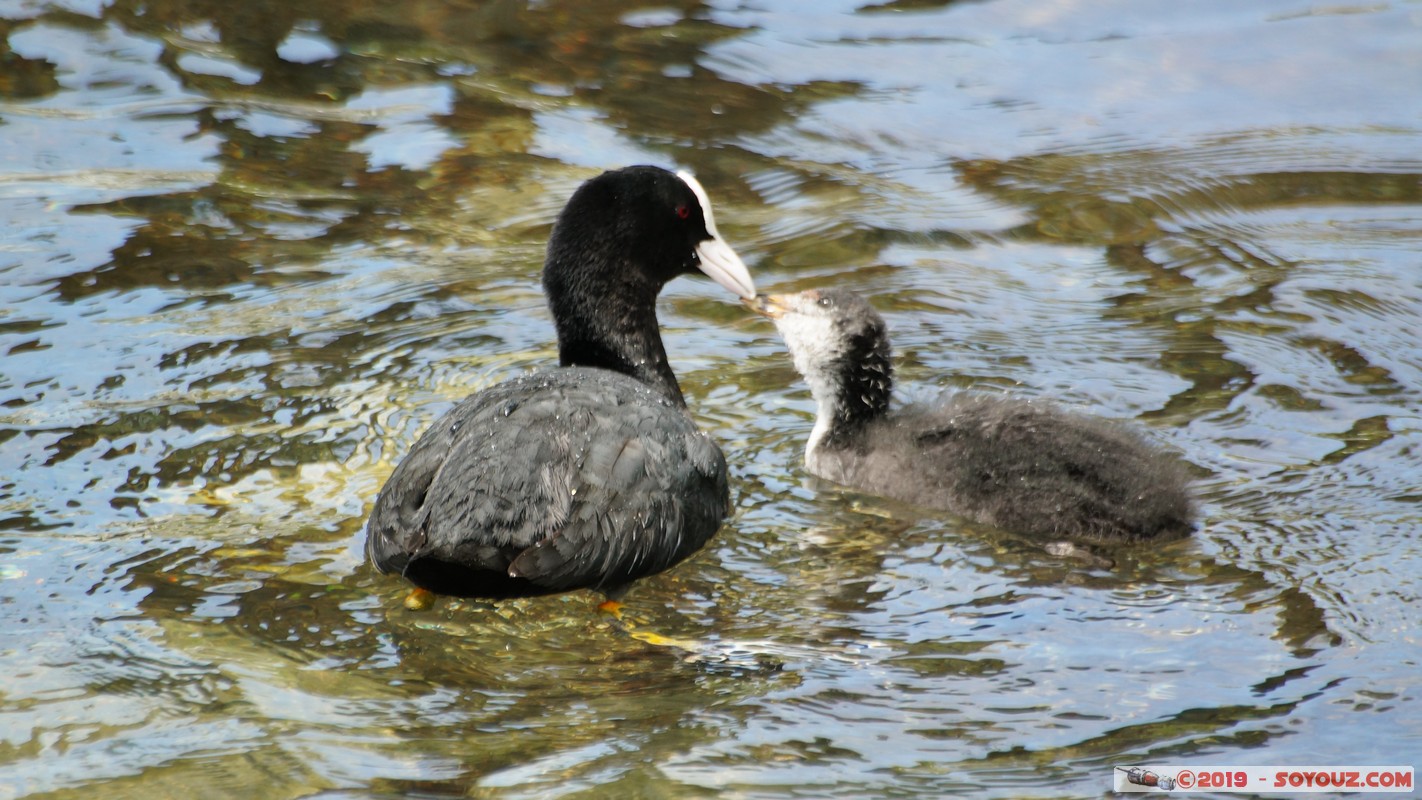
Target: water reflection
{"points": [[257, 248], [304, 183]]}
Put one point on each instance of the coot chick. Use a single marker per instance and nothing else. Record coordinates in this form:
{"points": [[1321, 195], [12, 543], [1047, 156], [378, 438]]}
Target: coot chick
{"points": [[593, 474], [1022, 466]]}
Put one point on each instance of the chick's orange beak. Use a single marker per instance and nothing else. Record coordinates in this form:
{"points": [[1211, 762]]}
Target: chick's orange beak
{"points": [[773, 306]]}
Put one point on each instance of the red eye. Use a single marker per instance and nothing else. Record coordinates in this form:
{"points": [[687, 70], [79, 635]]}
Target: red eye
{"points": [[684, 212]]}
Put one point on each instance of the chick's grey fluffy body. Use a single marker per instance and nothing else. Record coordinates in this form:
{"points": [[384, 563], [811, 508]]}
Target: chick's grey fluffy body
{"points": [[1021, 465], [1017, 465]]}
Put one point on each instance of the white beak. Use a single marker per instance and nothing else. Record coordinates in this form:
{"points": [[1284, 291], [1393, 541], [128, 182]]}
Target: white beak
{"points": [[722, 265], [718, 260]]}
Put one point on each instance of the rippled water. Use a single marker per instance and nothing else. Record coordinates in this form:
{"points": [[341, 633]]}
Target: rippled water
{"points": [[253, 250]]}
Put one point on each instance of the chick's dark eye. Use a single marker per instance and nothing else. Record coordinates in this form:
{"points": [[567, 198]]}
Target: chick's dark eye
{"points": [[683, 212]]}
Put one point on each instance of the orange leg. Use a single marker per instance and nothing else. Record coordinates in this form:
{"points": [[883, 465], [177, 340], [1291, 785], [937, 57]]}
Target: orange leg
{"points": [[419, 599]]}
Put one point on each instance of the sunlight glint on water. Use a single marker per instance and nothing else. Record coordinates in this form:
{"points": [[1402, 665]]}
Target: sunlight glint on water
{"points": [[254, 252]]}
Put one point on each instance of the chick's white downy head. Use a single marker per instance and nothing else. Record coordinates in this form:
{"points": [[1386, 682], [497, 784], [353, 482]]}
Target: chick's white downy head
{"points": [[840, 346], [824, 327]]}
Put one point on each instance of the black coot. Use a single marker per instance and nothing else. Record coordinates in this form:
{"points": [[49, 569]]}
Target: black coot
{"points": [[1019, 465], [591, 475]]}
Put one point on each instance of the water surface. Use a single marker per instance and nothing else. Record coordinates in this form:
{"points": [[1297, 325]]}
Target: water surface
{"points": [[254, 250]]}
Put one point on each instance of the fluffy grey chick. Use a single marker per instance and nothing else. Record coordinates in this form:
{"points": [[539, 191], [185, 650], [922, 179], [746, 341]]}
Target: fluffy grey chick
{"points": [[1023, 466]]}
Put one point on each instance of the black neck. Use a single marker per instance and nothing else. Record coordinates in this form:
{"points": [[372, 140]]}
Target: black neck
{"points": [[611, 323], [863, 380]]}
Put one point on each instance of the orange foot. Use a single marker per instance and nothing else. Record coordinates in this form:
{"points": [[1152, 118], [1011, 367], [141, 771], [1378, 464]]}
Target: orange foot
{"points": [[419, 599]]}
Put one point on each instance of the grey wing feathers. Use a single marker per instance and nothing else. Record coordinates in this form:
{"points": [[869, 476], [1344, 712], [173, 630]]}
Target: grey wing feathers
{"points": [[562, 479]]}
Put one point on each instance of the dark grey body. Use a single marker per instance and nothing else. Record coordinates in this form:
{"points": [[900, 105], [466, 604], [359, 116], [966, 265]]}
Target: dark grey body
{"points": [[562, 479], [1022, 466]]}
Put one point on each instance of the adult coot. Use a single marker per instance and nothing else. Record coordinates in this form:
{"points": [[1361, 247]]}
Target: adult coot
{"points": [[1022, 466], [591, 475]]}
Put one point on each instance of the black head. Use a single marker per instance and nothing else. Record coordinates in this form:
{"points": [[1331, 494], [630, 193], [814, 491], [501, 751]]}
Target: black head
{"points": [[618, 241], [640, 227]]}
